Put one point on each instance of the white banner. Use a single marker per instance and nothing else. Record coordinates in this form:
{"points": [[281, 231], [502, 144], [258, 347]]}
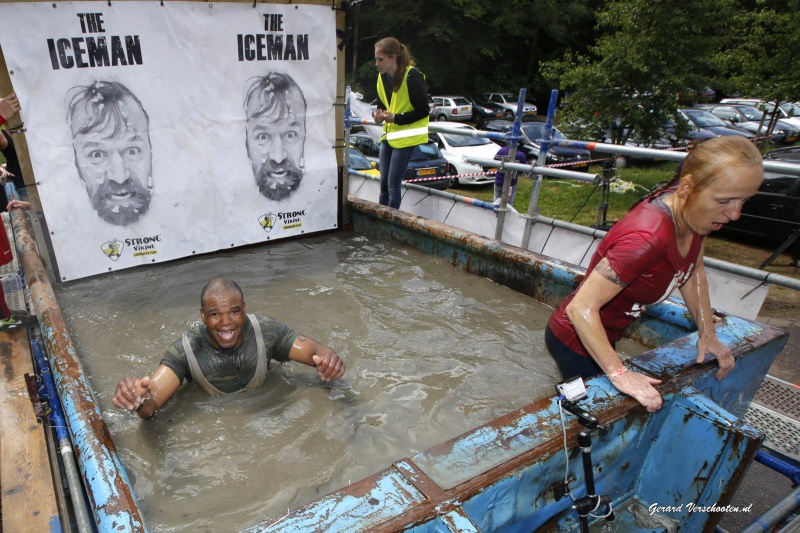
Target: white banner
{"points": [[162, 131]]}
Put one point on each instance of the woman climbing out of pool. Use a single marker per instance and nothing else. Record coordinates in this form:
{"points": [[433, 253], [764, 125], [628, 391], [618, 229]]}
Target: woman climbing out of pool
{"points": [[403, 110], [229, 352], [656, 247]]}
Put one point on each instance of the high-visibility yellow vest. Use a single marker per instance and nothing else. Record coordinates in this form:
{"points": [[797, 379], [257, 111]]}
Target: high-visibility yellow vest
{"points": [[408, 134]]}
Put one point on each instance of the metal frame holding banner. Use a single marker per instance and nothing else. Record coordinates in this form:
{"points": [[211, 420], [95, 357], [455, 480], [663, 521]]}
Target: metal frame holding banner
{"points": [[161, 130]]}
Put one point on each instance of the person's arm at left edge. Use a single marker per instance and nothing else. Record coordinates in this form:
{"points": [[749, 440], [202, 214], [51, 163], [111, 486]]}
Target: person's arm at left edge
{"points": [[312, 353], [695, 296]]}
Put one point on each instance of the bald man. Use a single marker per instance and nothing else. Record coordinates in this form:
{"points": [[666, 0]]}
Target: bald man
{"points": [[229, 352]]}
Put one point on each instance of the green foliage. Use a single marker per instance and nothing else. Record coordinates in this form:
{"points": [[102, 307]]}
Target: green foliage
{"points": [[466, 46], [626, 63], [760, 56], [649, 53]]}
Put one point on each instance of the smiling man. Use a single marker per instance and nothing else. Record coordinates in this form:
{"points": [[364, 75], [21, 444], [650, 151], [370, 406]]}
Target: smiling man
{"points": [[229, 352], [275, 110], [111, 140]]}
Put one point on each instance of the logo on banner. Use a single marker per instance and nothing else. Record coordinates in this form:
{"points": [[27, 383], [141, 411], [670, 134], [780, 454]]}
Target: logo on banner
{"points": [[144, 245], [113, 249], [267, 221], [287, 220], [140, 245]]}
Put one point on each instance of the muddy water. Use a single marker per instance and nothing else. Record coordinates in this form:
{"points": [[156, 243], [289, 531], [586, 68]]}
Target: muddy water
{"points": [[431, 352]]}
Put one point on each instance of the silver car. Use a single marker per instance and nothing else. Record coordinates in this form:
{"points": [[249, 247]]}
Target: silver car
{"points": [[508, 102], [451, 108]]}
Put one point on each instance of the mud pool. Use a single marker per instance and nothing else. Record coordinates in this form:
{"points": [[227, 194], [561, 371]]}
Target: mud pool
{"points": [[430, 351]]}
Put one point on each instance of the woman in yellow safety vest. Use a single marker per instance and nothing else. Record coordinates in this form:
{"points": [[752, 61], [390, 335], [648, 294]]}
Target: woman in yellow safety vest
{"points": [[403, 110]]}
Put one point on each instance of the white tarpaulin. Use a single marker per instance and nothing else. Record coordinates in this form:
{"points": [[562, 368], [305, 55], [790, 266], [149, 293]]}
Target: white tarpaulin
{"points": [[161, 131]]}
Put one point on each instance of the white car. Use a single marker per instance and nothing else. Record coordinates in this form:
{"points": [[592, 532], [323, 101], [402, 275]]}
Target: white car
{"points": [[456, 149], [508, 102], [788, 111]]}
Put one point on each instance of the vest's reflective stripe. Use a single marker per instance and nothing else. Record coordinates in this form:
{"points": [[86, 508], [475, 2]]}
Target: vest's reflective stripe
{"points": [[399, 134], [407, 135]]}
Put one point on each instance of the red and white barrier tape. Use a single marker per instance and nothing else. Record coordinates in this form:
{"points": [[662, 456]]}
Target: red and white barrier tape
{"points": [[573, 163], [489, 173], [434, 178]]}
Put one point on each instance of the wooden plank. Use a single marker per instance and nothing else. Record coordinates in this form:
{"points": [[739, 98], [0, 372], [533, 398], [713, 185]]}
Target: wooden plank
{"points": [[26, 482]]}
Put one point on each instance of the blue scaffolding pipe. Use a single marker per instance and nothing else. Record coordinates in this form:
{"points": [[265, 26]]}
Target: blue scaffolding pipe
{"points": [[776, 514], [513, 138], [113, 503], [533, 204], [780, 466], [82, 518], [536, 169], [671, 155]]}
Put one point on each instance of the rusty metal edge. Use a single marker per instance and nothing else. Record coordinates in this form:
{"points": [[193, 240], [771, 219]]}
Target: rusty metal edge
{"points": [[112, 498]]}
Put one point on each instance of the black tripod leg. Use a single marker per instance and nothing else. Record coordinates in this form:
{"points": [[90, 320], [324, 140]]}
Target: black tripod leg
{"points": [[788, 242]]}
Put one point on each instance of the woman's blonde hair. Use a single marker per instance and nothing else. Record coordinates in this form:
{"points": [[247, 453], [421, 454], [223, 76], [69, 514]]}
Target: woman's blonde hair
{"points": [[392, 47], [706, 160]]}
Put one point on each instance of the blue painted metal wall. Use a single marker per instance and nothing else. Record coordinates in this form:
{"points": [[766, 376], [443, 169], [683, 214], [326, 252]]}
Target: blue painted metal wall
{"points": [[685, 459]]}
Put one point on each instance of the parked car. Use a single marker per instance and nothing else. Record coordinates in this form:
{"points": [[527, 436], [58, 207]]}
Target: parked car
{"points": [[483, 110], [790, 112], [369, 148], [755, 102], [661, 143], [451, 108], [773, 214], [457, 148], [670, 137], [704, 120], [426, 161], [749, 118], [357, 161], [532, 133], [694, 133], [787, 111], [508, 102]]}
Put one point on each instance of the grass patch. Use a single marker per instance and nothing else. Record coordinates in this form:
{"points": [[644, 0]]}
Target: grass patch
{"points": [[576, 201]]}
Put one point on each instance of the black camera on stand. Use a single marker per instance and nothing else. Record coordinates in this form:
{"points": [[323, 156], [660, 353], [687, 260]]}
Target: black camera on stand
{"points": [[570, 393], [609, 172]]}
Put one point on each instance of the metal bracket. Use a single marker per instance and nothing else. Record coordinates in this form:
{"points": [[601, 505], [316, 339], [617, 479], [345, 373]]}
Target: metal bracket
{"points": [[33, 392]]}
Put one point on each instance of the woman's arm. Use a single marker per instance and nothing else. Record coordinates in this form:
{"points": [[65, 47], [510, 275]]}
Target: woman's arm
{"points": [[418, 95], [695, 296], [602, 286]]}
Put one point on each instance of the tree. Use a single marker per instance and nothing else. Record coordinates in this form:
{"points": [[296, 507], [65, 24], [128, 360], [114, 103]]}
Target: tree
{"points": [[466, 46], [759, 59], [649, 53]]}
